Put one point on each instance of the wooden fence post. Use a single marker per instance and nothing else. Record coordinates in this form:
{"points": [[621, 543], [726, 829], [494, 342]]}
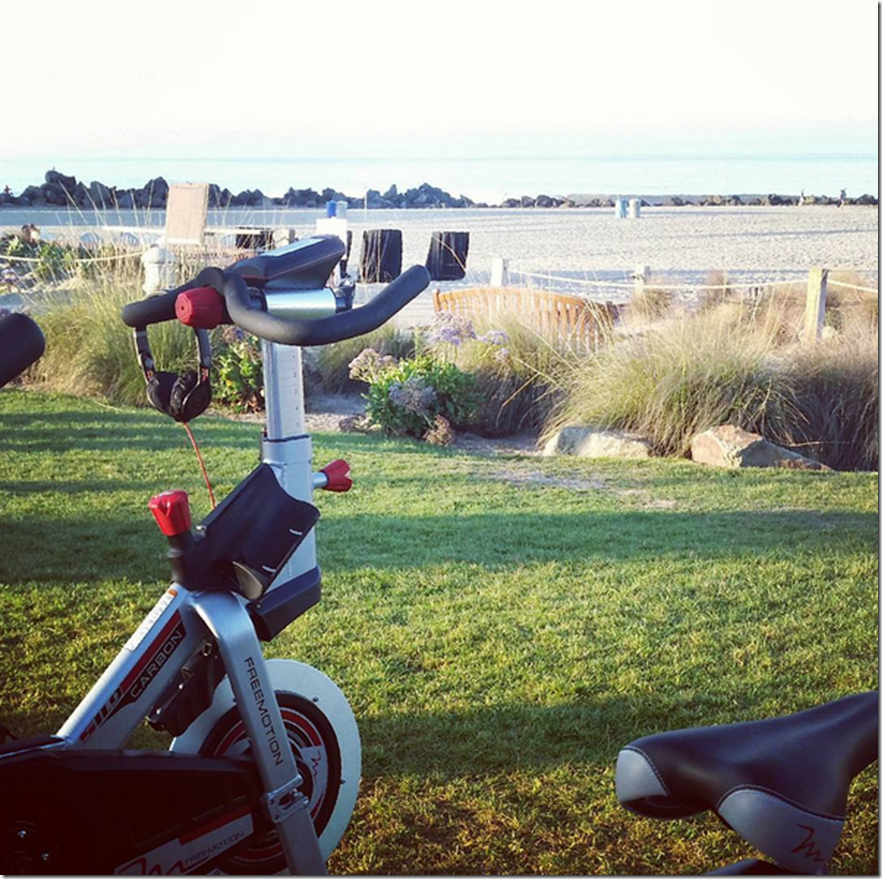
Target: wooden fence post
{"points": [[499, 272], [641, 277], [815, 305]]}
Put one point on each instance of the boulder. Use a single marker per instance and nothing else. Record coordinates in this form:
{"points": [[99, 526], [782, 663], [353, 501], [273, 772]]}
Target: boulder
{"points": [[55, 193], [80, 196], [68, 182], [592, 442], [732, 447], [100, 194]]}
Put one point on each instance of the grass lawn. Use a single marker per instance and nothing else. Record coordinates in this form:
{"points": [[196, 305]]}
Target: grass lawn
{"points": [[501, 627]]}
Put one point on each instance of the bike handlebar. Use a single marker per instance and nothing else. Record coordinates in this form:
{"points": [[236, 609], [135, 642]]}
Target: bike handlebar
{"points": [[242, 311], [154, 309]]}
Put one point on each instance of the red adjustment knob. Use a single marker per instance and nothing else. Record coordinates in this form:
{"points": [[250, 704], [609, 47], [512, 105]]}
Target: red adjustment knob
{"points": [[201, 307], [171, 509], [338, 476]]}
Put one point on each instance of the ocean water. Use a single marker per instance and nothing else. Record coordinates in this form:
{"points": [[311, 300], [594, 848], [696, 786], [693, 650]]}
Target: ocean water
{"points": [[490, 179]]}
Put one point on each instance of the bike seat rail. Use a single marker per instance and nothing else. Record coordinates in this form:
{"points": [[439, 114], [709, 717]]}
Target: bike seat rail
{"points": [[782, 784]]}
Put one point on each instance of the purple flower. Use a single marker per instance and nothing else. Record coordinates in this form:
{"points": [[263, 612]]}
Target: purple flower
{"points": [[231, 335], [494, 337], [369, 365], [450, 329], [413, 394]]}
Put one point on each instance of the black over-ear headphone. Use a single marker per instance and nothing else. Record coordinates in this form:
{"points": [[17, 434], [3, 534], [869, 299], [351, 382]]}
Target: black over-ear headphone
{"points": [[183, 396]]}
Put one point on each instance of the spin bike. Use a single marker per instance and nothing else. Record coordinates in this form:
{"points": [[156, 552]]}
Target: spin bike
{"points": [[264, 767]]}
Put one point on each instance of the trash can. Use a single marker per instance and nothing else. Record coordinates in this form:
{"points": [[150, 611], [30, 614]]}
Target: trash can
{"points": [[448, 252], [380, 255]]}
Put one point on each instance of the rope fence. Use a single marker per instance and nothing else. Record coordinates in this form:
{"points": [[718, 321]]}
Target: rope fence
{"points": [[845, 286], [8, 257], [746, 285], [816, 287]]}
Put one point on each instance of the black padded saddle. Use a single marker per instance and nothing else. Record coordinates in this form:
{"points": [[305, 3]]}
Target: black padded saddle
{"points": [[781, 784]]}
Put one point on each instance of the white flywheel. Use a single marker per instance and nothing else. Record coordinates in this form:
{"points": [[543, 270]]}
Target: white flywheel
{"points": [[327, 749]]}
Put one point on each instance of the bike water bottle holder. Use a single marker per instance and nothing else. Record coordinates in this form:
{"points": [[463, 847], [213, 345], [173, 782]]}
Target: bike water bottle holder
{"points": [[242, 544]]}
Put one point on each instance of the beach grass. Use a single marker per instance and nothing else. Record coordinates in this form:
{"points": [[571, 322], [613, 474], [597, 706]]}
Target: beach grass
{"points": [[501, 626], [736, 362]]}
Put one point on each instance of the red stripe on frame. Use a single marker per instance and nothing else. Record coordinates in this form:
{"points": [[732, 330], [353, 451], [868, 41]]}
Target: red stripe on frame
{"points": [[214, 825]]}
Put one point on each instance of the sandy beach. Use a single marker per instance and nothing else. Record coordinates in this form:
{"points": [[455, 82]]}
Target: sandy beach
{"points": [[684, 243], [681, 245]]}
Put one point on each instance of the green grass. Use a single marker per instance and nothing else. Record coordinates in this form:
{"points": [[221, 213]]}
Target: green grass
{"points": [[501, 626]]}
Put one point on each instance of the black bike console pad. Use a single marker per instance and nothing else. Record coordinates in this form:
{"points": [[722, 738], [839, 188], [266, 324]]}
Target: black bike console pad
{"points": [[251, 533], [301, 265]]}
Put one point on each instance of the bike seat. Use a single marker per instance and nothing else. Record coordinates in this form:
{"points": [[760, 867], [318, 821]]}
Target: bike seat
{"points": [[781, 784]]}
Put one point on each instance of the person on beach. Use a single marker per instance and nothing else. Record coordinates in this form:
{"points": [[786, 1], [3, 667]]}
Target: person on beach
{"points": [[802, 198], [841, 198]]}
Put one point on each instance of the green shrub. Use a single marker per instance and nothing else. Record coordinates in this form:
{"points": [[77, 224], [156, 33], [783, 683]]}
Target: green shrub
{"points": [[517, 369], [405, 398], [328, 366], [238, 379]]}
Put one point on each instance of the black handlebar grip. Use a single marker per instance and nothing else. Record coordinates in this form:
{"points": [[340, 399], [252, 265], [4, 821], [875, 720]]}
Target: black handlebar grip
{"points": [[154, 309], [326, 330], [21, 343]]}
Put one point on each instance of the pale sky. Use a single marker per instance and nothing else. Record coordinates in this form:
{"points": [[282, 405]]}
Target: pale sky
{"points": [[454, 78]]}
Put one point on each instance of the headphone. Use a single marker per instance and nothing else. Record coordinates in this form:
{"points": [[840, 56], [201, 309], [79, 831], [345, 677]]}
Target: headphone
{"points": [[184, 396]]}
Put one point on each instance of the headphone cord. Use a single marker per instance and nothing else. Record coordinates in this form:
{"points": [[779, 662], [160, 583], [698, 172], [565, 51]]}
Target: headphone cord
{"points": [[201, 463]]}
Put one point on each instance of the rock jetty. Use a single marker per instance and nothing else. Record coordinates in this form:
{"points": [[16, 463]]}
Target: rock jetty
{"points": [[63, 190]]}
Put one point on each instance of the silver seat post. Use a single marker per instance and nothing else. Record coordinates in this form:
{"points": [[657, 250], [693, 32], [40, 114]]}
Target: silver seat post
{"points": [[287, 447]]}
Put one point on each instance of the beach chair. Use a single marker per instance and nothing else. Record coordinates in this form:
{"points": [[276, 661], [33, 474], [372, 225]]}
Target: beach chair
{"points": [[186, 214]]}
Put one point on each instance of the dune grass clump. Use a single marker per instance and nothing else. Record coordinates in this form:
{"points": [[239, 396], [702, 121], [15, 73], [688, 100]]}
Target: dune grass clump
{"points": [[674, 382], [90, 351], [835, 389], [516, 378], [328, 365], [738, 364]]}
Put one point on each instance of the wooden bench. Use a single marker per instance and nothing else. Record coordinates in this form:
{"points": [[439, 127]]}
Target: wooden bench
{"points": [[576, 322]]}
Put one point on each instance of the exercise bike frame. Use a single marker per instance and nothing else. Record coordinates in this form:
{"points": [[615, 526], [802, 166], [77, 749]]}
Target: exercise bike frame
{"points": [[184, 622]]}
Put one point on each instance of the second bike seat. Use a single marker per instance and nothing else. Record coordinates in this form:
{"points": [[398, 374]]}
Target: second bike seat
{"points": [[781, 784]]}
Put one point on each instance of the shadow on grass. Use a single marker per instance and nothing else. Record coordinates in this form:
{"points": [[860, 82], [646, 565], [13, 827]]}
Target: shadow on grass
{"points": [[589, 731], [506, 540], [105, 430], [102, 545], [84, 486]]}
